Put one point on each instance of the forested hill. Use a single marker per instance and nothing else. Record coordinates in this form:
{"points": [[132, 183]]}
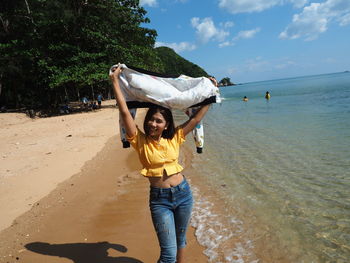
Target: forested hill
{"points": [[56, 51], [177, 65]]}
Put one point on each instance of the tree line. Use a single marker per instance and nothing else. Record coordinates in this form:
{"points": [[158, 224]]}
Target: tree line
{"points": [[53, 51]]}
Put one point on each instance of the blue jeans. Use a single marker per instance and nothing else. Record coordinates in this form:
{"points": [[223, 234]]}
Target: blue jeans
{"points": [[171, 211]]}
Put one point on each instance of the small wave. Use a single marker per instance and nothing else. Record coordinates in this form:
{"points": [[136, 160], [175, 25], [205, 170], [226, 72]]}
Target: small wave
{"points": [[222, 235]]}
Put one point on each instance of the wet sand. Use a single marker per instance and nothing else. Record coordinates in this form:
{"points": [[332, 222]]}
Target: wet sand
{"points": [[97, 214]]}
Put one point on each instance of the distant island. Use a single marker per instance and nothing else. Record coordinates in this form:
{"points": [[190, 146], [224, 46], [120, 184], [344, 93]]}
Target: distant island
{"points": [[225, 82]]}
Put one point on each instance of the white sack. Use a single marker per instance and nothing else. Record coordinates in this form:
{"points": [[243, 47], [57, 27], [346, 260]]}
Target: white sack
{"points": [[174, 93]]}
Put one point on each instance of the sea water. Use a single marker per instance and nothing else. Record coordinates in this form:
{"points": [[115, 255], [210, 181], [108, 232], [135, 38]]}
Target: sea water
{"points": [[273, 183]]}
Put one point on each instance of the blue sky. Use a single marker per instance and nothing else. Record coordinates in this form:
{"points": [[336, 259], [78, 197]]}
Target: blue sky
{"points": [[252, 40]]}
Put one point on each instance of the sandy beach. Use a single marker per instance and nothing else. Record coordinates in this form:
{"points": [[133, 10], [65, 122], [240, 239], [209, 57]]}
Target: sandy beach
{"points": [[69, 192]]}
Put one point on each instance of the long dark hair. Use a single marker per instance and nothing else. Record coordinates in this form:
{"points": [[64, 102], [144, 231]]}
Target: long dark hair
{"points": [[168, 116]]}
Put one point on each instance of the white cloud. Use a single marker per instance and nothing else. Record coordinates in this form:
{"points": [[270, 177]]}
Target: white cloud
{"points": [[226, 44], [259, 64], [178, 47], [148, 2], [250, 6], [247, 6], [245, 34], [344, 20], [239, 6], [298, 3], [314, 19], [206, 30], [284, 64], [309, 24], [232, 70], [227, 24]]}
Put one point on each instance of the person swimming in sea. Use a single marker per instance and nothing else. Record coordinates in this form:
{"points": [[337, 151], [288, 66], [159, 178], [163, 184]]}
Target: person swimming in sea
{"points": [[245, 98], [267, 95]]}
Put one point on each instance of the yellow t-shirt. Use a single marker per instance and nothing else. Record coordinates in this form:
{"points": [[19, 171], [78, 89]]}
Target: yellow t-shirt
{"points": [[156, 157]]}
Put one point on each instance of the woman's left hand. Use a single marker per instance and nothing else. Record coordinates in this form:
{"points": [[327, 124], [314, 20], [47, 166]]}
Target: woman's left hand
{"points": [[115, 72], [214, 81]]}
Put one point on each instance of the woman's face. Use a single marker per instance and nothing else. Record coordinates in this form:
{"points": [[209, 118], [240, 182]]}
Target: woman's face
{"points": [[156, 125]]}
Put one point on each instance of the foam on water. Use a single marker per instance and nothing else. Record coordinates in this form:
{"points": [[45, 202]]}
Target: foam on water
{"points": [[222, 235]]}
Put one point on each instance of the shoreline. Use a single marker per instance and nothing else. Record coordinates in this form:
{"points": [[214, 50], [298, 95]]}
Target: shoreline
{"points": [[46, 151], [102, 208]]}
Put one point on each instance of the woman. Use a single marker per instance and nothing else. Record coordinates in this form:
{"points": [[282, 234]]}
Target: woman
{"points": [[158, 149]]}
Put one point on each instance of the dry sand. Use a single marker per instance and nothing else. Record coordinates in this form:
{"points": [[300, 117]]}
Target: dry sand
{"points": [[70, 193]]}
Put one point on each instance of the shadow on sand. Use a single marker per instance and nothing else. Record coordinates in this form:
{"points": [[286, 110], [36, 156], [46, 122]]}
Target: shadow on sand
{"points": [[82, 252]]}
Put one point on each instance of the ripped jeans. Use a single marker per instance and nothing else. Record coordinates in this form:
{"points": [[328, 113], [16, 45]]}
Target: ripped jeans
{"points": [[171, 211]]}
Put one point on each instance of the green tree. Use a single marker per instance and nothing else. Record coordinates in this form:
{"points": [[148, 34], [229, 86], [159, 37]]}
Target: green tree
{"points": [[52, 49], [176, 65]]}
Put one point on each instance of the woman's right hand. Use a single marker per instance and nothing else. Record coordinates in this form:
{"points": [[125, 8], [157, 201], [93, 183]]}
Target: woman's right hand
{"points": [[128, 120]]}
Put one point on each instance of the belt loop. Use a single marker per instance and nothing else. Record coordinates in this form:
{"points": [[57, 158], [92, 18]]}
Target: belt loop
{"points": [[182, 184]]}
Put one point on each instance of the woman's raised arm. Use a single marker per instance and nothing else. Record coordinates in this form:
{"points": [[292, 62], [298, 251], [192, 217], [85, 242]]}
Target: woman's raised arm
{"points": [[189, 125], [129, 122]]}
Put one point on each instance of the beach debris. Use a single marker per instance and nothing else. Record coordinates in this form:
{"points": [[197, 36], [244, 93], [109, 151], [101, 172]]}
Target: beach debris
{"points": [[223, 185], [49, 153], [70, 135]]}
